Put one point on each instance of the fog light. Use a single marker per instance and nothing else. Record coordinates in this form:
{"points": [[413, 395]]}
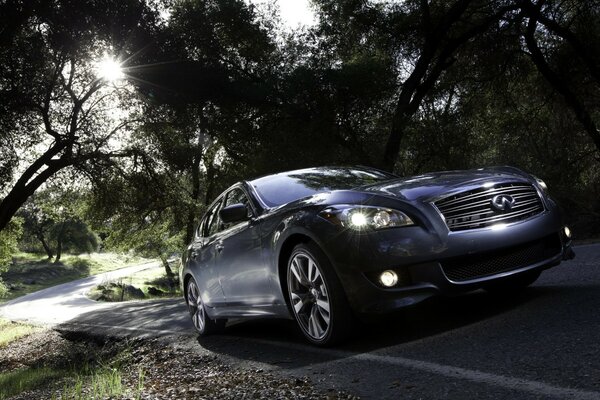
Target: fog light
{"points": [[388, 278], [567, 232]]}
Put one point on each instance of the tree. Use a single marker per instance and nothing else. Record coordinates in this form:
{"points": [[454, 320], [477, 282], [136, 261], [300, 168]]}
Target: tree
{"points": [[425, 37], [195, 122], [549, 23], [56, 113], [36, 224], [54, 216]]}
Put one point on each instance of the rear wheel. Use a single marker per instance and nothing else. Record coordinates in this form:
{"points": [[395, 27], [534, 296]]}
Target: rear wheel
{"points": [[316, 296], [513, 284], [203, 324]]}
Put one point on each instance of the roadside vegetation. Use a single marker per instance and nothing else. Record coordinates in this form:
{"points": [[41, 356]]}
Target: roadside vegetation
{"points": [[29, 272], [65, 369], [11, 331], [146, 284], [70, 365]]}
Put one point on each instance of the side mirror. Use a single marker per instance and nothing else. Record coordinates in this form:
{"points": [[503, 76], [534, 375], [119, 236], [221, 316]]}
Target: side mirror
{"points": [[234, 213]]}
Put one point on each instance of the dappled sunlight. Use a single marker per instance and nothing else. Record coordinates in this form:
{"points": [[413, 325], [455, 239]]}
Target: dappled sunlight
{"points": [[64, 302]]}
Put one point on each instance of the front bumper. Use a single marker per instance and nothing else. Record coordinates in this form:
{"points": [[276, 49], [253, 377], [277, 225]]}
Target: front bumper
{"points": [[430, 260]]}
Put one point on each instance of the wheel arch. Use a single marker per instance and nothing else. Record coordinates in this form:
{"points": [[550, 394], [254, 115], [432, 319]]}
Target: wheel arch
{"points": [[186, 278], [284, 254], [285, 251]]}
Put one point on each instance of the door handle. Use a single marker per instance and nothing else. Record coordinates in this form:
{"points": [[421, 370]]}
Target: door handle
{"points": [[219, 247]]}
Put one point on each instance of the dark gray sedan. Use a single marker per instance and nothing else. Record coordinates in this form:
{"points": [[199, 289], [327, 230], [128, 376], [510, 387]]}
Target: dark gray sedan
{"points": [[327, 245]]}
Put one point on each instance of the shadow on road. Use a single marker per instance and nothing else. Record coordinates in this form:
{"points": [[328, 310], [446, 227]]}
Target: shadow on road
{"points": [[545, 328], [260, 340], [135, 318]]}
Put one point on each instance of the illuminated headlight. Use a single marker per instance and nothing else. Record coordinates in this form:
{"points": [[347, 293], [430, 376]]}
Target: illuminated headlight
{"points": [[541, 184], [388, 278], [567, 232], [358, 219], [366, 217]]}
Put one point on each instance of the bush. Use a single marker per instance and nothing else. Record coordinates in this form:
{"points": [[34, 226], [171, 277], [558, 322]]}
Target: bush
{"points": [[3, 289], [9, 237]]}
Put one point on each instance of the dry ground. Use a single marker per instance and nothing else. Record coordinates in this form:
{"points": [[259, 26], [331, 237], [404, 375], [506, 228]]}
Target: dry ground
{"points": [[140, 369]]}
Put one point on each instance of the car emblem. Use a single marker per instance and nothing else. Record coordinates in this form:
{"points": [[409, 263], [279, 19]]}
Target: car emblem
{"points": [[503, 202]]}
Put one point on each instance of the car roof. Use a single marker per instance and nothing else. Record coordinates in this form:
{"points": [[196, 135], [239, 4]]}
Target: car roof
{"points": [[324, 169]]}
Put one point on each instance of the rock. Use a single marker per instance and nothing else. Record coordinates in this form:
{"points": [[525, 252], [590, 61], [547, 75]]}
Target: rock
{"points": [[133, 292], [152, 291]]}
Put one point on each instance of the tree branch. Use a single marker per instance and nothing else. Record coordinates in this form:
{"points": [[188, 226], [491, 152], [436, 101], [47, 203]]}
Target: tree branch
{"points": [[558, 84]]}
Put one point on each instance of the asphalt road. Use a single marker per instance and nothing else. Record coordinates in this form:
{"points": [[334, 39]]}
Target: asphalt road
{"points": [[543, 344]]}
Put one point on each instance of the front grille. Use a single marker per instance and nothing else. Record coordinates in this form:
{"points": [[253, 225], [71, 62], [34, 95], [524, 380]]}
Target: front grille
{"points": [[507, 259], [474, 208]]}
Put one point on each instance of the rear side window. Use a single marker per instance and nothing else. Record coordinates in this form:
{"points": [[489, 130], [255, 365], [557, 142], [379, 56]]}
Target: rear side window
{"points": [[211, 221]]}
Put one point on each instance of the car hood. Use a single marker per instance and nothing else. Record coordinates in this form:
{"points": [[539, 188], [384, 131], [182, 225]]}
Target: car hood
{"points": [[431, 186]]}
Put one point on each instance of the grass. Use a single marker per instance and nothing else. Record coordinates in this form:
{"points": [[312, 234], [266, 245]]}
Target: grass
{"points": [[15, 382], [99, 384], [32, 272], [11, 331], [98, 375], [103, 380]]}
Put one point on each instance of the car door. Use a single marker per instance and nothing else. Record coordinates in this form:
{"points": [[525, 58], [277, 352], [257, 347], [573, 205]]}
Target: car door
{"points": [[202, 257], [245, 278]]}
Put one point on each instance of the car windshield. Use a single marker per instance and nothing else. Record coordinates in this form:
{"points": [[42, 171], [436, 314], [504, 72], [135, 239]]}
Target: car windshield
{"points": [[275, 190]]}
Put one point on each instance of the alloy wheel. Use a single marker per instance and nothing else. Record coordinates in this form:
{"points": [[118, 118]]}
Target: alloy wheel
{"points": [[309, 295], [195, 306]]}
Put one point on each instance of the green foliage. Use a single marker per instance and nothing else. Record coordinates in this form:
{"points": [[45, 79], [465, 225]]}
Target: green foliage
{"points": [[9, 238], [53, 222]]}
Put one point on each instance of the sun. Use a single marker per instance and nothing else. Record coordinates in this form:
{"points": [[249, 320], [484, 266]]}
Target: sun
{"points": [[109, 69]]}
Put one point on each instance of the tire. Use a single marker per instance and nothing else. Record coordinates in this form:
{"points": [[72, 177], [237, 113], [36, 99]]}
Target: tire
{"points": [[202, 323], [316, 297], [513, 285]]}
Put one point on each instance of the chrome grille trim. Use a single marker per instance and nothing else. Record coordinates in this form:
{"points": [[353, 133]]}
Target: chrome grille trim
{"points": [[473, 209]]}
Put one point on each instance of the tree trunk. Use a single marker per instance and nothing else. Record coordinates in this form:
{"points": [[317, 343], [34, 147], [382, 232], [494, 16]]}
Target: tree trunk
{"points": [[47, 248], [191, 217], [31, 180], [211, 172], [168, 270], [58, 250], [59, 243]]}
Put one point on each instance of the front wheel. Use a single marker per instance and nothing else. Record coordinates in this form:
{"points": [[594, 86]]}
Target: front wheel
{"points": [[316, 296], [203, 324]]}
